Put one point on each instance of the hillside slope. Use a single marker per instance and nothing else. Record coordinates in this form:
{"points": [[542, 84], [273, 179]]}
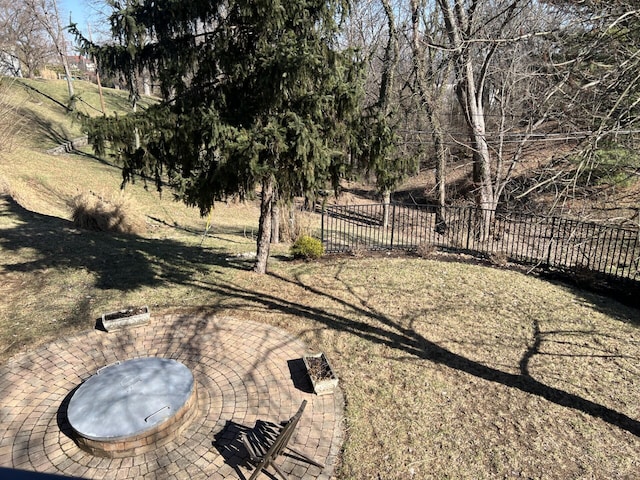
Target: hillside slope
{"points": [[54, 275], [44, 182]]}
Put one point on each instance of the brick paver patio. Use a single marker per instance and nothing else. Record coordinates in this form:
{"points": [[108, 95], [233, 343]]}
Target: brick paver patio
{"points": [[244, 371]]}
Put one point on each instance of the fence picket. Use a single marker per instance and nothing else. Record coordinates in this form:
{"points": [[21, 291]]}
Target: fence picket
{"points": [[545, 241]]}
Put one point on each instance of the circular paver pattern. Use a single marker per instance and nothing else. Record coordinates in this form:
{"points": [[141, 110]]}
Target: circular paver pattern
{"points": [[244, 371]]}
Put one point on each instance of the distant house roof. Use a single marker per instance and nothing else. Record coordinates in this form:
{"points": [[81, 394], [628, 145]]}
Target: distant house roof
{"points": [[81, 63]]}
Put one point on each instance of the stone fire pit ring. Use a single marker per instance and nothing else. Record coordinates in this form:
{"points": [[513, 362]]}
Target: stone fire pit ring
{"points": [[132, 407]]}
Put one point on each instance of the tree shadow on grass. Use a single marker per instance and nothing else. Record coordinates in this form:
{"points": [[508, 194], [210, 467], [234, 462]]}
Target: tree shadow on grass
{"points": [[382, 330], [121, 262], [45, 128], [127, 262]]}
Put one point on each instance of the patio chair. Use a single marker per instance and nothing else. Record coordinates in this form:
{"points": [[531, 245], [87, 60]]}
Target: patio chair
{"points": [[266, 441]]}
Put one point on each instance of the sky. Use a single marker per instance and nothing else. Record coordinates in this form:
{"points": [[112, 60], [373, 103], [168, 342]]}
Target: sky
{"points": [[78, 8], [81, 13]]}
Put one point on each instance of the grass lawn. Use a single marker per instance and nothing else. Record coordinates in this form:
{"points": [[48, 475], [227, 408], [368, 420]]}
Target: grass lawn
{"points": [[450, 369]]}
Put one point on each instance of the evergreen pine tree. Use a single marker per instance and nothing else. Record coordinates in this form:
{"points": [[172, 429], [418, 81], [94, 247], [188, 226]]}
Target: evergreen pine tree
{"points": [[255, 92]]}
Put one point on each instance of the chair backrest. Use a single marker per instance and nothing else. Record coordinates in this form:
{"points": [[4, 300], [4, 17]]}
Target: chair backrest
{"points": [[285, 434]]}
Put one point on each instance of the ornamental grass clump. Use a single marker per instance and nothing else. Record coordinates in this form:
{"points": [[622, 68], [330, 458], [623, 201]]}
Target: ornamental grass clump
{"points": [[93, 212], [307, 248]]}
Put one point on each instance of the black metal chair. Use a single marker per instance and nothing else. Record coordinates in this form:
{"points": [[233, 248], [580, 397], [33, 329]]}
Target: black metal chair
{"points": [[266, 441]]}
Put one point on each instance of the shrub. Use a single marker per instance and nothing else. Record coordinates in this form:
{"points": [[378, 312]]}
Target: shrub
{"points": [[91, 212], [307, 247]]}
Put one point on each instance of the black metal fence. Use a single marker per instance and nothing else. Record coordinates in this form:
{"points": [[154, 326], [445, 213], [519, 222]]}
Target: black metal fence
{"points": [[548, 242]]}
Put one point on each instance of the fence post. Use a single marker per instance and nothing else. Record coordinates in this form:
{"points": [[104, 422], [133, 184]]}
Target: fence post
{"points": [[393, 223], [322, 225], [469, 209], [553, 232]]}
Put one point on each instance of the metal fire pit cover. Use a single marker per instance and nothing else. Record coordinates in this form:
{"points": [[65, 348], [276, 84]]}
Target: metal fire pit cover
{"points": [[125, 399]]}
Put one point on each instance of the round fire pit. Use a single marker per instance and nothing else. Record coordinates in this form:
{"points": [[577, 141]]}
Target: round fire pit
{"points": [[132, 407]]}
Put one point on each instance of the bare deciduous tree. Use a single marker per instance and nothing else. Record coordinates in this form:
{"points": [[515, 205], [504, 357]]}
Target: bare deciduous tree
{"points": [[481, 34], [431, 71], [375, 28], [46, 13], [24, 44]]}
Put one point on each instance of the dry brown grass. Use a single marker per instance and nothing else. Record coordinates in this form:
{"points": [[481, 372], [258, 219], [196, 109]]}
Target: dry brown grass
{"points": [[106, 214], [449, 370], [10, 126], [425, 250], [465, 371], [296, 222]]}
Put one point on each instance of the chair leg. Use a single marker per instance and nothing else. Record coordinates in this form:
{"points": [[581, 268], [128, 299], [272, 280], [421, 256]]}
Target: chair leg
{"points": [[263, 466], [257, 471], [305, 458], [280, 472]]}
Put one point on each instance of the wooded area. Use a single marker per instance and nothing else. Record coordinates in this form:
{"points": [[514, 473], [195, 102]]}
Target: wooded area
{"points": [[299, 96]]}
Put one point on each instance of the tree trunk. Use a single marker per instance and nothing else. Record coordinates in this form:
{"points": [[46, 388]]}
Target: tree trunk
{"points": [[61, 46], [293, 227], [473, 64], [275, 222], [386, 203], [136, 132], [102, 105], [431, 92], [387, 174], [264, 227], [67, 73], [470, 92], [482, 179], [390, 61], [146, 82]]}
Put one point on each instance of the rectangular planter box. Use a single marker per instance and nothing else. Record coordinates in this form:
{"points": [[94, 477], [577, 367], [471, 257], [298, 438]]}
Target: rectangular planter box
{"points": [[126, 317], [323, 378]]}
